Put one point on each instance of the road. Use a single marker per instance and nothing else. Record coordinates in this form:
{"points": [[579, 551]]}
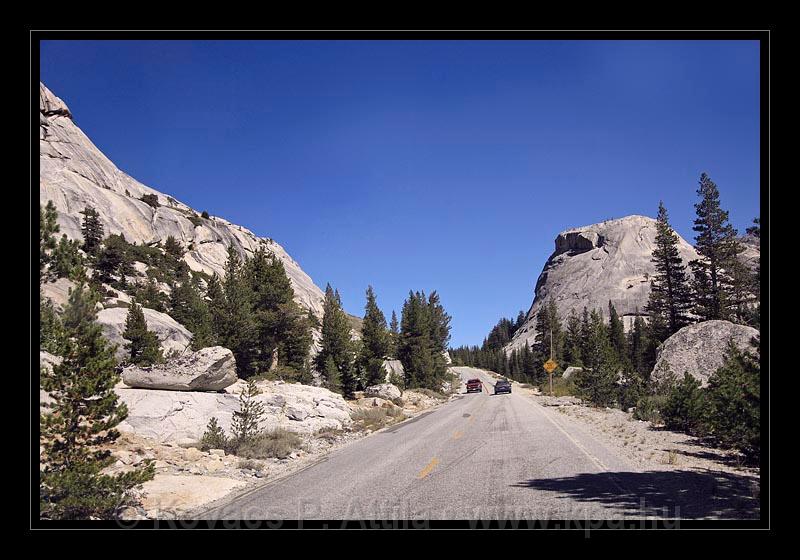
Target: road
{"points": [[479, 456]]}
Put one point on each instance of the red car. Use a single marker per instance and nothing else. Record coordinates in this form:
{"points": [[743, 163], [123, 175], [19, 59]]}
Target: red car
{"points": [[474, 385]]}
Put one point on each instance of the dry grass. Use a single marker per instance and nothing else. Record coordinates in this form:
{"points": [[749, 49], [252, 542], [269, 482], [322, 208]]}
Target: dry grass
{"points": [[329, 434], [377, 417], [278, 443]]}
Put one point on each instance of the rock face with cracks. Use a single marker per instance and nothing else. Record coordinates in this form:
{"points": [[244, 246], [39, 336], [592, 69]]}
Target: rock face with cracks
{"points": [[595, 264], [74, 173]]}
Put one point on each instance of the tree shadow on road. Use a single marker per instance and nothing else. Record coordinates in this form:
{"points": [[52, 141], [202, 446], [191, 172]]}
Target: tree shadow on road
{"points": [[670, 494]]}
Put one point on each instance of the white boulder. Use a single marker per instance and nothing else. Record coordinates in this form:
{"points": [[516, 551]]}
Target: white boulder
{"points": [[384, 391], [208, 369]]}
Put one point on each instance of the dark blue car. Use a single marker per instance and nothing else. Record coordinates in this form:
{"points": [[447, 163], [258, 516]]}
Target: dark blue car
{"points": [[502, 386]]}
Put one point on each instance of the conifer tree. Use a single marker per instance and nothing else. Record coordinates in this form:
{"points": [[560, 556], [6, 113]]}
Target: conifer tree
{"points": [[598, 382], [246, 422], [92, 230], [415, 352], [639, 348], [572, 341], [188, 307], [48, 227], [616, 333], [337, 345], [394, 332], [66, 261], [376, 342], [236, 327], [670, 292], [718, 247], [143, 344], [81, 422], [439, 335], [548, 324], [51, 330]]}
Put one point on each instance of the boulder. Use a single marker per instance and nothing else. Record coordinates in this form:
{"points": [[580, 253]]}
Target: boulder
{"points": [[570, 371], [699, 349], [174, 337], [182, 416], [384, 390], [208, 369], [393, 368]]}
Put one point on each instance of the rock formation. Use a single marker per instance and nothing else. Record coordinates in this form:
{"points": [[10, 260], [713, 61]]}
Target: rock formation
{"points": [[74, 173], [173, 336], [384, 391], [594, 264], [209, 369], [699, 348]]}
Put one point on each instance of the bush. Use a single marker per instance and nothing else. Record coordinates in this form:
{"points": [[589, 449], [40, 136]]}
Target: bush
{"points": [[431, 393], [684, 408], [214, 437], [195, 220], [205, 214], [734, 403], [561, 387], [278, 443], [648, 408], [377, 417], [150, 199]]}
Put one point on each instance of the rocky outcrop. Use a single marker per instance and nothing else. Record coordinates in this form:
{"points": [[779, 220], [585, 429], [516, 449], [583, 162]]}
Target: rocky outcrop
{"points": [[393, 368], [597, 263], [384, 391], [570, 371], [174, 337], [209, 369], [699, 349], [182, 416], [75, 173]]}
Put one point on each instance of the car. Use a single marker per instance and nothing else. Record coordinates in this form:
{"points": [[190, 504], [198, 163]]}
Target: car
{"points": [[502, 386], [474, 386]]}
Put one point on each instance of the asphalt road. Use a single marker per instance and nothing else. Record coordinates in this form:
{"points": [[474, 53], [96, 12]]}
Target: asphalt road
{"points": [[480, 456]]}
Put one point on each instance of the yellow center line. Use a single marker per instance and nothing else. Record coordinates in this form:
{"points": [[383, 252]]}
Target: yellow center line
{"points": [[427, 470]]}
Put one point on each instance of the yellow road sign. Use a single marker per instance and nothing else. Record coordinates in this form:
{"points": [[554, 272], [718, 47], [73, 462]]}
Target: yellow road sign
{"points": [[550, 365]]}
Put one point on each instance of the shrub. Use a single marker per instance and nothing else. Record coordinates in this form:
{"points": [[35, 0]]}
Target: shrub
{"points": [[150, 199], [684, 408], [278, 443], [328, 434], [377, 417], [246, 420], [195, 220], [734, 403], [214, 437], [204, 214], [649, 407], [561, 387], [431, 393]]}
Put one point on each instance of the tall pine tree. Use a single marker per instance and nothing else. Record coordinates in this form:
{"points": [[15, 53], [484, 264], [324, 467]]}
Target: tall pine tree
{"points": [[92, 231], [375, 342], [143, 345], [335, 359], [718, 247], [81, 422], [670, 292]]}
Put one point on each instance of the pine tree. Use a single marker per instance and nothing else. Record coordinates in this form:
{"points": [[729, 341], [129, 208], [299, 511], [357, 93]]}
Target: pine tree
{"points": [[143, 346], [733, 399], [214, 436], [188, 307], [572, 341], [415, 352], [51, 330], [639, 347], [246, 422], [670, 293], [48, 227], [337, 345], [67, 261], [92, 231], [376, 342], [597, 383], [548, 324], [616, 333], [718, 247], [394, 333], [234, 323], [439, 336], [81, 423]]}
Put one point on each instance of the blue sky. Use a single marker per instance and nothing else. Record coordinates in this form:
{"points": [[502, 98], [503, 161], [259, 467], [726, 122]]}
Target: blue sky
{"points": [[441, 165]]}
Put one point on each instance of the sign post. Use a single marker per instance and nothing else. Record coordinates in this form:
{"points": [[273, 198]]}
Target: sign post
{"points": [[550, 365]]}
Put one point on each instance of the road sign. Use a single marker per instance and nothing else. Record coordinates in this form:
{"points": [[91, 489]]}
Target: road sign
{"points": [[550, 365]]}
